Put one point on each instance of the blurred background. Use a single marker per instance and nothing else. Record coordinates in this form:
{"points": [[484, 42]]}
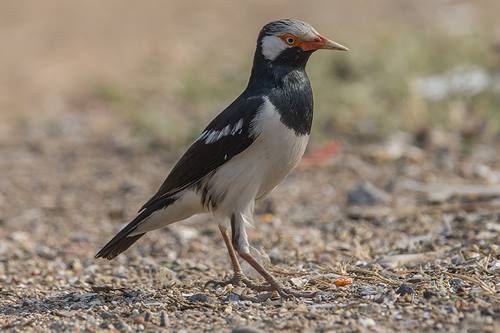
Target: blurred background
{"points": [[98, 99], [165, 68]]}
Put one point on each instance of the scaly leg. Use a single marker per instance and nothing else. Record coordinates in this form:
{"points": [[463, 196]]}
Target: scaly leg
{"points": [[240, 242], [238, 276], [273, 284]]}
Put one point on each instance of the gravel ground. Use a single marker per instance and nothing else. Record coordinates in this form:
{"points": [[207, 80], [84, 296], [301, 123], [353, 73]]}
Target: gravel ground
{"points": [[393, 237]]}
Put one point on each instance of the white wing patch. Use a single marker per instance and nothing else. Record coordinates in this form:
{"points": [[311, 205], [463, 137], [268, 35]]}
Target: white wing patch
{"points": [[214, 136]]}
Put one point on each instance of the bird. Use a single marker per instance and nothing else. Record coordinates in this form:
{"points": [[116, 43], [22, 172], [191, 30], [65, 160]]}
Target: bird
{"points": [[243, 153]]}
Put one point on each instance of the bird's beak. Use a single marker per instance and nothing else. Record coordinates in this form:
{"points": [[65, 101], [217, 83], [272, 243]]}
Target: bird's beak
{"points": [[329, 44], [324, 43]]}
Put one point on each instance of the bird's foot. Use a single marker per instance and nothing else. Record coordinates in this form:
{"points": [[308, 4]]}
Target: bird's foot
{"points": [[283, 293], [238, 279], [287, 293]]}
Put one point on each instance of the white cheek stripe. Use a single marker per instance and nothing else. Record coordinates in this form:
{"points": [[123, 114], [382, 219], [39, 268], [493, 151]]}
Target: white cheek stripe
{"points": [[272, 46], [214, 136]]}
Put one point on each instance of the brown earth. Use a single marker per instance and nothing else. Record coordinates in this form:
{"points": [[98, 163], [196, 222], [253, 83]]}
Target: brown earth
{"points": [[423, 257]]}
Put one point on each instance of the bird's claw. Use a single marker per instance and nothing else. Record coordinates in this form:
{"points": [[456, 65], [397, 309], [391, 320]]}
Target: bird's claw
{"points": [[238, 279], [283, 293], [215, 283]]}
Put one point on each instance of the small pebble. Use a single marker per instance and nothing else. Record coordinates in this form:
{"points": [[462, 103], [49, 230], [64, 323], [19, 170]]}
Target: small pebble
{"points": [[232, 297], [405, 289], [246, 330], [163, 319], [367, 322], [264, 297], [122, 326], [107, 315], [457, 260], [366, 291], [456, 283], [365, 195], [104, 325], [198, 298], [495, 266], [429, 293], [322, 296], [487, 312]]}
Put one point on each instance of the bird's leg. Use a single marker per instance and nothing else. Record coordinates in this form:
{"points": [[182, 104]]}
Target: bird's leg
{"points": [[238, 276], [230, 249], [240, 242], [274, 285]]}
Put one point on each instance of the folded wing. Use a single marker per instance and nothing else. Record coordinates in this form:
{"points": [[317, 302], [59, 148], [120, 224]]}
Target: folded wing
{"points": [[229, 134]]}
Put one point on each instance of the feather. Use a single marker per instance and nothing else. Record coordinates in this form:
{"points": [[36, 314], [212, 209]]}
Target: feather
{"points": [[203, 157]]}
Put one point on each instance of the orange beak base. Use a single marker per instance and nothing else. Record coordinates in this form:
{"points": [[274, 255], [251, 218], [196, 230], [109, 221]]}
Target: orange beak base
{"points": [[321, 42]]}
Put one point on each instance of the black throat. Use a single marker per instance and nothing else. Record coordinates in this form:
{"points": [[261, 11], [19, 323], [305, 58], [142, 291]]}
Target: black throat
{"points": [[284, 81]]}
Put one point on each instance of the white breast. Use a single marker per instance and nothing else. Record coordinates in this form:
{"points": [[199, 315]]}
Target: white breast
{"points": [[279, 146], [256, 171]]}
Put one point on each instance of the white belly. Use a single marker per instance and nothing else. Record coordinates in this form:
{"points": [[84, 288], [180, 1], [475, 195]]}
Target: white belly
{"points": [[256, 171]]}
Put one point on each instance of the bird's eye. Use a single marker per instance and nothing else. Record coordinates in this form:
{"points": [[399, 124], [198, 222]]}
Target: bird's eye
{"points": [[290, 40]]}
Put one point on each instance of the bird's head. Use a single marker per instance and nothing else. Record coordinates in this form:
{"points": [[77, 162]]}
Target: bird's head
{"points": [[291, 42]]}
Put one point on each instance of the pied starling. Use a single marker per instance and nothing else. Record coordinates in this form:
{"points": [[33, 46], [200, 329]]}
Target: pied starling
{"points": [[244, 153]]}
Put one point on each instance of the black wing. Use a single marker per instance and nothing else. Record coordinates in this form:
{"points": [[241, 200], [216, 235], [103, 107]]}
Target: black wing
{"points": [[208, 153]]}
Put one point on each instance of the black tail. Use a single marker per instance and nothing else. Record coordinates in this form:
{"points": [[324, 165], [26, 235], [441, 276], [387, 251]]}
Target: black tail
{"points": [[117, 245], [122, 240]]}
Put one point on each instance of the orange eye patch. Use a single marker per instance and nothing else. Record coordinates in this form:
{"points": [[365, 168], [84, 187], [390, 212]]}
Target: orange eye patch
{"points": [[290, 39]]}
